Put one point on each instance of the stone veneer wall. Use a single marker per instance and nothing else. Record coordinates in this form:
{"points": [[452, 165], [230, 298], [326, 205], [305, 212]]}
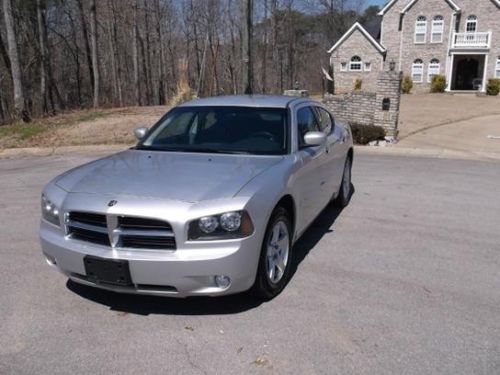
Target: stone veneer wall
{"points": [[365, 108]]}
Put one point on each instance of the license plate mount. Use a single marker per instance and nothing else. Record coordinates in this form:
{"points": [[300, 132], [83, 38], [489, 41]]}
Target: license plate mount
{"points": [[107, 271]]}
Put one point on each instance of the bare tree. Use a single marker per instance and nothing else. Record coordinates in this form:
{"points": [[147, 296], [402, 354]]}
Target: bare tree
{"points": [[20, 109], [246, 46], [95, 63]]}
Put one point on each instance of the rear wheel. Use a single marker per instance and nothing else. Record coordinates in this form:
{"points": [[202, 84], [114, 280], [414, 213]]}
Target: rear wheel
{"points": [[345, 192], [275, 258]]}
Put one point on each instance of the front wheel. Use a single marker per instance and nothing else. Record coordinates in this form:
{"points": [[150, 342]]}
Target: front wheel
{"points": [[345, 192], [275, 259]]}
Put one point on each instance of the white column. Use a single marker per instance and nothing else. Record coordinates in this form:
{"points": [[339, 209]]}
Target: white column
{"points": [[450, 72], [485, 71]]}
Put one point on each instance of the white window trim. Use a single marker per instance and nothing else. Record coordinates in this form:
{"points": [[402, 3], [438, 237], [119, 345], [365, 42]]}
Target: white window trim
{"points": [[423, 25], [467, 21], [360, 63], [433, 69], [414, 67], [369, 68], [497, 68], [437, 27]]}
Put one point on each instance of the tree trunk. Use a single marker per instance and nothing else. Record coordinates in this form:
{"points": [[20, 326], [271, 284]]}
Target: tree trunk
{"points": [[135, 56], [20, 110], [264, 52], [86, 42], [116, 61], [95, 64], [5, 56], [161, 65], [40, 10], [246, 42]]}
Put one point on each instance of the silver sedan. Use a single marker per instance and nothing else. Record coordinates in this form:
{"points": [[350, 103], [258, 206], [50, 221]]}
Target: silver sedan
{"points": [[209, 202]]}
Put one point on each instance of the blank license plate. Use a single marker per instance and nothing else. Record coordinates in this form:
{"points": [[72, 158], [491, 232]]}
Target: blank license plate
{"points": [[110, 271]]}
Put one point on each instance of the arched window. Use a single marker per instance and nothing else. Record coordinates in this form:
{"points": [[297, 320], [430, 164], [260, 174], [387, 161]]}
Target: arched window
{"points": [[471, 24], [437, 29], [355, 64], [421, 29], [417, 71], [433, 69]]}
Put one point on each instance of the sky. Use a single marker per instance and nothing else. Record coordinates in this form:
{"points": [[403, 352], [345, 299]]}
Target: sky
{"points": [[376, 2]]}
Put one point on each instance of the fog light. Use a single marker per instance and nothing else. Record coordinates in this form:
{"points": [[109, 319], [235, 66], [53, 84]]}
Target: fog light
{"points": [[222, 281], [51, 261]]}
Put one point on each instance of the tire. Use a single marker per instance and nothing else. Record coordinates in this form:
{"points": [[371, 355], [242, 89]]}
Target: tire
{"points": [[345, 190], [267, 284]]}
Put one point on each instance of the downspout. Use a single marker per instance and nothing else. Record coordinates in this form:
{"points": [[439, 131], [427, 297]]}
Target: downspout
{"points": [[449, 60], [401, 41]]}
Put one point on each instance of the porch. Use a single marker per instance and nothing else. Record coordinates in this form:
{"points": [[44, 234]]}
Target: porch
{"points": [[467, 72]]}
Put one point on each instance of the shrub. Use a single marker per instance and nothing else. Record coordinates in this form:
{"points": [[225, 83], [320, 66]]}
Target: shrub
{"points": [[438, 83], [364, 134], [493, 87], [358, 84], [183, 94], [407, 85]]}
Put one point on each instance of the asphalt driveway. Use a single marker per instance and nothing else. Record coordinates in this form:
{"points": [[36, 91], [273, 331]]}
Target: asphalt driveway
{"points": [[406, 280]]}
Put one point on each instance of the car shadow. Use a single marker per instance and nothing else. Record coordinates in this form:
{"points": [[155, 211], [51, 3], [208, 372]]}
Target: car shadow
{"points": [[233, 304]]}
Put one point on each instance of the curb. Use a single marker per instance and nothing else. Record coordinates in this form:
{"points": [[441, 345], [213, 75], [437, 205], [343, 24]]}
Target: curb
{"points": [[428, 153], [11, 153], [98, 150]]}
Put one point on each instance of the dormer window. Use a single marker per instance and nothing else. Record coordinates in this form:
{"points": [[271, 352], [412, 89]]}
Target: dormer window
{"points": [[421, 29], [471, 24], [437, 29], [355, 64]]}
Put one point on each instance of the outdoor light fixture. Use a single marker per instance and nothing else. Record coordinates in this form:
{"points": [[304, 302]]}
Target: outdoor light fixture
{"points": [[392, 65]]}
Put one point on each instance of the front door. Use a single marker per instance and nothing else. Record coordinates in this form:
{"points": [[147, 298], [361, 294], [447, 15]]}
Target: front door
{"points": [[465, 72]]}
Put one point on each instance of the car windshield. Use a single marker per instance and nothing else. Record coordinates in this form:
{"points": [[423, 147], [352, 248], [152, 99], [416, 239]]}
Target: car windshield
{"points": [[245, 130]]}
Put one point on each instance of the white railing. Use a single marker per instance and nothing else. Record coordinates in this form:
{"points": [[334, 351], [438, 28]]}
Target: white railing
{"points": [[471, 40]]}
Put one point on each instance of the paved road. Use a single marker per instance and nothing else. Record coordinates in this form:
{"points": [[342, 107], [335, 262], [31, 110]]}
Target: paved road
{"points": [[406, 280]]}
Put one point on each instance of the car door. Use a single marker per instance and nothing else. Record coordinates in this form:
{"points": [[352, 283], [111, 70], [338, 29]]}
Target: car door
{"points": [[311, 182], [335, 150]]}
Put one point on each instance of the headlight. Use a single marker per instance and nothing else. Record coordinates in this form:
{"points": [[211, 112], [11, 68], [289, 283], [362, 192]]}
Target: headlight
{"points": [[50, 212], [228, 225]]}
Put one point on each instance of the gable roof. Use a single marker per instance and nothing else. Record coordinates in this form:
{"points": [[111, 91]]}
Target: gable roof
{"points": [[390, 3], [386, 7], [454, 6], [366, 34]]}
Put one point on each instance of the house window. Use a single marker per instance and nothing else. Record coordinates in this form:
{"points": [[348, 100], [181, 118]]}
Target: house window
{"points": [[497, 68], [420, 29], [343, 66], [417, 71], [355, 64], [368, 66], [433, 69], [471, 24], [437, 29]]}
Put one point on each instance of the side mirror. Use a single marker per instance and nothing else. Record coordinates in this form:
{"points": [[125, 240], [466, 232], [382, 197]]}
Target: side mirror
{"points": [[140, 132], [315, 138]]}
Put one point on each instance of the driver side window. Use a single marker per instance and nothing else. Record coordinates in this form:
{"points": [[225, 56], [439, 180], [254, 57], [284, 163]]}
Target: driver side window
{"points": [[306, 122]]}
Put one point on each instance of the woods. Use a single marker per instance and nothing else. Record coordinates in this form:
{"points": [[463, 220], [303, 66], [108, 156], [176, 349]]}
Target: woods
{"points": [[70, 54]]}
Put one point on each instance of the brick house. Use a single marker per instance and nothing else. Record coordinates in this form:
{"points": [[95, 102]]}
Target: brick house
{"points": [[459, 39]]}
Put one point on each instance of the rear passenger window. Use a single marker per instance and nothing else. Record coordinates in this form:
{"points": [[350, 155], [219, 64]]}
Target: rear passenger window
{"points": [[325, 120], [306, 122]]}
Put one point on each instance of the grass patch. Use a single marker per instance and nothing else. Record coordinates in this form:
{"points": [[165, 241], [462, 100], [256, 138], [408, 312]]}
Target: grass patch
{"points": [[19, 134]]}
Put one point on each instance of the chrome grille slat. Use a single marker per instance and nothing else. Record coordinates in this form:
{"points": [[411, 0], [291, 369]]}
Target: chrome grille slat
{"points": [[121, 231]]}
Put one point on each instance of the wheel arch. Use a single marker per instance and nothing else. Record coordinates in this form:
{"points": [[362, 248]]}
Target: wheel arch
{"points": [[288, 203]]}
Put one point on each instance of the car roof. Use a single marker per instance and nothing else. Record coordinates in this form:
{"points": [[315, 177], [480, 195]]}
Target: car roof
{"points": [[266, 101]]}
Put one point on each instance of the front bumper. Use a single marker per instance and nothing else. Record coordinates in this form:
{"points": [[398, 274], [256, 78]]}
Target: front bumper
{"points": [[183, 272]]}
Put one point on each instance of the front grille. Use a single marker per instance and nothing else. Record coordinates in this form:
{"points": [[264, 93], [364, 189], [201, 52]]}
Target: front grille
{"points": [[90, 227], [145, 233], [126, 231]]}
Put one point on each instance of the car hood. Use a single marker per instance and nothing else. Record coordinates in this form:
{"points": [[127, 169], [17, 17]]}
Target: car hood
{"points": [[190, 177]]}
